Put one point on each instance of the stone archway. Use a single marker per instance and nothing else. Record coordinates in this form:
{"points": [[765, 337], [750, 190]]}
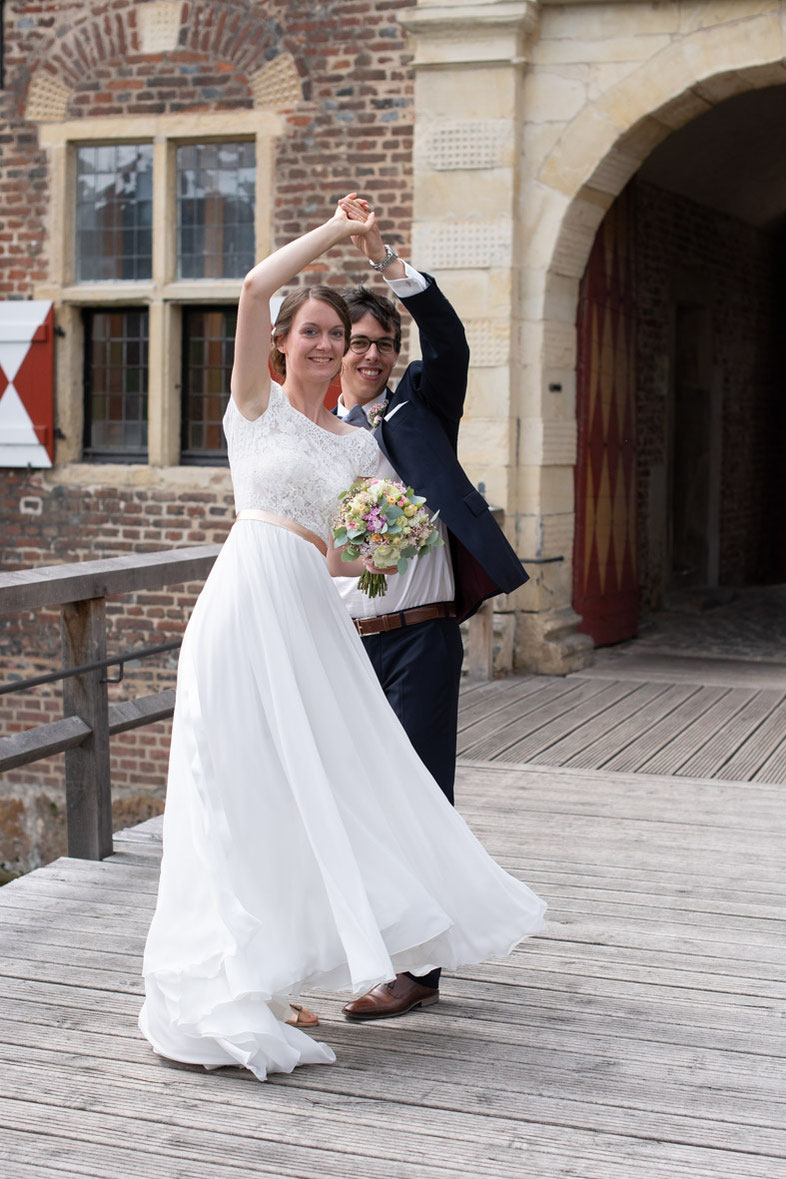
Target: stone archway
{"points": [[530, 119], [566, 200]]}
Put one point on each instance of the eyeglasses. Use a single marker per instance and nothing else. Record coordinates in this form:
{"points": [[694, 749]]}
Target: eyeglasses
{"points": [[360, 344]]}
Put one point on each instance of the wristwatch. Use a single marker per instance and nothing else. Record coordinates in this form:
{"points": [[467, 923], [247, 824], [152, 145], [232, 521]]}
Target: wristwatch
{"points": [[390, 256]]}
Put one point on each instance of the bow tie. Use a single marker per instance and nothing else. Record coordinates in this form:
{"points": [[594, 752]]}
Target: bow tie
{"points": [[357, 417]]}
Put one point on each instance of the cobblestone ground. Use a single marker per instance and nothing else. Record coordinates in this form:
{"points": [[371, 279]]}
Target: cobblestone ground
{"points": [[752, 626]]}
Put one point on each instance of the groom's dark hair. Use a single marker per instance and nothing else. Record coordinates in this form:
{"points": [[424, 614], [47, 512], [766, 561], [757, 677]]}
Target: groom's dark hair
{"points": [[361, 301]]}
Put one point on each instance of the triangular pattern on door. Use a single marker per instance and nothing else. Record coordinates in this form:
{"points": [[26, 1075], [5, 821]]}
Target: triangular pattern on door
{"points": [[605, 589], [26, 383]]}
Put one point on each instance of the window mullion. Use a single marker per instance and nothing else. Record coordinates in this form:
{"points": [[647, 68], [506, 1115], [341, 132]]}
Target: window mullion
{"points": [[162, 212], [163, 402]]}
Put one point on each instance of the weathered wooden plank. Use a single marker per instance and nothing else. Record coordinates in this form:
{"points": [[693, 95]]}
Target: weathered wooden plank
{"points": [[750, 756], [774, 768], [128, 1094], [590, 938], [697, 972], [56, 585], [543, 740], [553, 1155], [700, 732], [144, 710], [504, 1077], [501, 694], [43, 741], [706, 761], [605, 745], [513, 710], [480, 656], [561, 751], [639, 750], [549, 706], [87, 765]]}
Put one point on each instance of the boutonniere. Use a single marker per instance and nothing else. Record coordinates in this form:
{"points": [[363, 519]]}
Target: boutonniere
{"points": [[376, 414]]}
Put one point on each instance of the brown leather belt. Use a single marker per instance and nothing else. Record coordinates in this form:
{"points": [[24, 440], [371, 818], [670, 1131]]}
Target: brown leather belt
{"points": [[411, 617]]}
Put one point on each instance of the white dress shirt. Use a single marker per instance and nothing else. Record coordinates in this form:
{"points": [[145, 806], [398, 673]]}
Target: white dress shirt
{"points": [[428, 578]]}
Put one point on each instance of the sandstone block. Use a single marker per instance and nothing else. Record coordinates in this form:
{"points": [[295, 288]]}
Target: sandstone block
{"points": [[486, 194], [597, 52], [548, 643], [479, 293], [657, 82], [544, 211], [719, 12], [552, 95], [735, 46], [488, 395], [588, 138], [604, 22], [447, 94], [484, 441]]}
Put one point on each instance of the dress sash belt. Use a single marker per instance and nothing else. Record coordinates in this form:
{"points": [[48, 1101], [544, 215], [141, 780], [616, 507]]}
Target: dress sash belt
{"points": [[283, 522]]}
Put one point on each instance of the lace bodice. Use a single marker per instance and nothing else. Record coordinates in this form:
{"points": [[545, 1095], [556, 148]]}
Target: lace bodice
{"points": [[284, 463]]}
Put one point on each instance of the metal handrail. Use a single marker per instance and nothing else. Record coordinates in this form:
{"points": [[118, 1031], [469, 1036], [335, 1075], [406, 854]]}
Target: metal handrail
{"points": [[96, 665]]}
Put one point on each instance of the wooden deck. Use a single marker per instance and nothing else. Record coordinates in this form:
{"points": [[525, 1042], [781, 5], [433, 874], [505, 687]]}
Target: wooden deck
{"points": [[641, 1036], [697, 718]]}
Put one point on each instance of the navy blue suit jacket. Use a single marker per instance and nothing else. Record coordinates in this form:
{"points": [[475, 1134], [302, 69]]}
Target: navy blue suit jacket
{"points": [[419, 436]]}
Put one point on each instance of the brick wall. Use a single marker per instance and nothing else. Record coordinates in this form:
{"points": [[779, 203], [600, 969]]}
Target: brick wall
{"points": [[736, 265], [353, 129]]}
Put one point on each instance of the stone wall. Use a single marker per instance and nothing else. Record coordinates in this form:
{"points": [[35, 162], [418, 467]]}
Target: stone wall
{"points": [[347, 108]]}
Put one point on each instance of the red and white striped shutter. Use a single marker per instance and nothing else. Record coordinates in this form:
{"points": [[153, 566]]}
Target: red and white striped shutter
{"points": [[27, 354]]}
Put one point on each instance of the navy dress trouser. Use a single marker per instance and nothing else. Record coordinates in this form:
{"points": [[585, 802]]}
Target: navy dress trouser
{"points": [[419, 668]]}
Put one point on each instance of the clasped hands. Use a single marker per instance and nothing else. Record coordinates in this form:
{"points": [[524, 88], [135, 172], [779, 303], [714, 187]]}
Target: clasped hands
{"points": [[366, 235]]}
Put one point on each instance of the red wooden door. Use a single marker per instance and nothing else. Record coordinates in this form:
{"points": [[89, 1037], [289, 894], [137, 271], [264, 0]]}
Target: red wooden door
{"points": [[605, 581]]}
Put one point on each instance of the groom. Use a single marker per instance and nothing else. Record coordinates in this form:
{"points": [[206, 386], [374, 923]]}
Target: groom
{"points": [[411, 634]]}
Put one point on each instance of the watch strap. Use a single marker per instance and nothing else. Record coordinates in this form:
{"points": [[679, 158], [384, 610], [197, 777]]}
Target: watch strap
{"points": [[390, 256]]}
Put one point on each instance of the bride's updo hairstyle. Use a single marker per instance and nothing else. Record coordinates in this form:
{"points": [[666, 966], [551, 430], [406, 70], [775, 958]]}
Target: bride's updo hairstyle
{"points": [[286, 316]]}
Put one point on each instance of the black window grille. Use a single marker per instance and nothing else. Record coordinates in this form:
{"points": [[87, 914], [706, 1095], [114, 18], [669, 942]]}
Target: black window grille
{"points": [[215, 209], [114, 212], [116, 382], [208, 352]]}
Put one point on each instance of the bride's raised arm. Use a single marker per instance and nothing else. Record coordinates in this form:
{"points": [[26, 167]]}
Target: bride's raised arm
{"points": [[250, 384]]}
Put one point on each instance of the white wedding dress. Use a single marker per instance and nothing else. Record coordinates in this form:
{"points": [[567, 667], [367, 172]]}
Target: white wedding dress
{"points": [[305, 844]]}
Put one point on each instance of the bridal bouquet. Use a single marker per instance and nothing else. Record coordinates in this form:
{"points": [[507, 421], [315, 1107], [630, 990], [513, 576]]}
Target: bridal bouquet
{"points": [[384, 521]]}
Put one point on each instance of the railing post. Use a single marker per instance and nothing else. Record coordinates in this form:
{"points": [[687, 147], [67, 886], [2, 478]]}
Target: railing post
{"points": [[88, 788], [481, 642]]}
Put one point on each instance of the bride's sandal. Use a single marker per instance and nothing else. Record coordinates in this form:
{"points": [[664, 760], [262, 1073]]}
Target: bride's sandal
{"points": [[302, 1018]]}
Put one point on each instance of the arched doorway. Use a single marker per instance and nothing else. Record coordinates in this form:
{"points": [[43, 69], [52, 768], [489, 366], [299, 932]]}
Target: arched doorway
{"points": [[679, 486]]}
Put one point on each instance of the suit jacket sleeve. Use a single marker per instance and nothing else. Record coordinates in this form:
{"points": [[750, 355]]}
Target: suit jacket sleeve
{"points": [[440, 379]]}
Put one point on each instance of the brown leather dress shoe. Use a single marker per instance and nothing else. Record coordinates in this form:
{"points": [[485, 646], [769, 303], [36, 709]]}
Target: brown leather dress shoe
{"points": [[391, 998]]}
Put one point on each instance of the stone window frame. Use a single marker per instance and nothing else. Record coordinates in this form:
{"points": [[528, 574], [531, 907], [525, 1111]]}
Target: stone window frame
{"points": [[163, 295]]}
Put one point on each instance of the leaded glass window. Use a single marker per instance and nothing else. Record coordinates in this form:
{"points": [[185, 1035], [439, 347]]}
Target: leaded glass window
{"points": [[116, 371], [114, 212], [215, 210], [208, 352]]}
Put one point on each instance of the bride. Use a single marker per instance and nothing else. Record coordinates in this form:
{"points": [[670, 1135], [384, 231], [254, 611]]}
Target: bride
{"points": [[305, 844]]}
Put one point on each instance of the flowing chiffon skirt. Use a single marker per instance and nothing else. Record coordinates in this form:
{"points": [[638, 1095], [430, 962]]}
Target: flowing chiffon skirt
{"points": [[305, 844]]}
